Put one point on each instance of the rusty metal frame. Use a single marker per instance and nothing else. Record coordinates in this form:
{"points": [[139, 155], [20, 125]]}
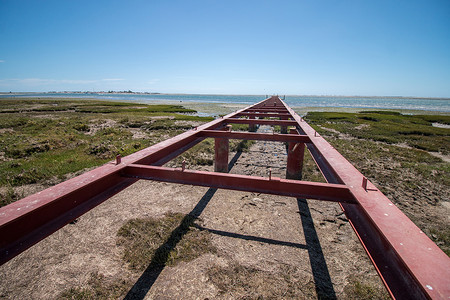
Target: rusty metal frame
{"points": [[238, 135], [408, 262], [271, 185]]}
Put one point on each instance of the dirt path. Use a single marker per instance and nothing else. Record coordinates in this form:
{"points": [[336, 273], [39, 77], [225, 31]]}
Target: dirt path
{"points": [[269, 246]]}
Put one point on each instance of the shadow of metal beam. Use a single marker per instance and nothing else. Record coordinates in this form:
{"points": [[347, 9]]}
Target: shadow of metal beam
{"points": [[322, 279], [253, 238], [154, 269]]}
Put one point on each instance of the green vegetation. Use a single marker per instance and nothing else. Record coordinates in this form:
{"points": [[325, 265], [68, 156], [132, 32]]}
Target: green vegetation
{"points": [[164, 241], [359, 290], [9, 196], [98, 287], [310, 170], [415, 131], [47, 140], [441, 236], [203, 153], [365, 148], [398, 160], [85, 106], [393, 151]]}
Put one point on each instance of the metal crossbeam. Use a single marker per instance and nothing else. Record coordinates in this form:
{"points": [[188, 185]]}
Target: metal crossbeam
{"points": [[261, 122], [264, 115], [240, 135], [266, 109], [271, 185]]}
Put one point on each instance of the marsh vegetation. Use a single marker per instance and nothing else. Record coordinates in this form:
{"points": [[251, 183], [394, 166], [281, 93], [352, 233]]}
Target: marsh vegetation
{"points": [[47, 141], [406, 156]]}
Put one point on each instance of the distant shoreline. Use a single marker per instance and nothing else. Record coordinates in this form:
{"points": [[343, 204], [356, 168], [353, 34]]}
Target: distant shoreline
{"points": [[214, 109], [52, 94]]}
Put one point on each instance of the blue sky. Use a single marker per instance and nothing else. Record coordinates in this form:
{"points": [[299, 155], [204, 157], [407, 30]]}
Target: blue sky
{"points": [[398, 48]]}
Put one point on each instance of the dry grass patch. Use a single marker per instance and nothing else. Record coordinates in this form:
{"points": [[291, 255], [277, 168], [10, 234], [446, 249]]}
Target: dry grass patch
{"points": [[363, 290], [9, 195], [240, 282], [98, 287], [162, 241]]}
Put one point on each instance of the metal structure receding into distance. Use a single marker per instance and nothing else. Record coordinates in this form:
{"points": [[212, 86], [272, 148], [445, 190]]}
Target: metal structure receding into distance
{"points": [[409, 263]]}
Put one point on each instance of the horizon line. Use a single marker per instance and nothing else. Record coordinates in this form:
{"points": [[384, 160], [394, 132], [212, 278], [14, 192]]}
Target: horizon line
{"points": [[218, 94]]}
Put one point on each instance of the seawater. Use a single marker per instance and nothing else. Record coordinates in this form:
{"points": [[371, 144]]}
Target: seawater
{"points": [[401, 103]]}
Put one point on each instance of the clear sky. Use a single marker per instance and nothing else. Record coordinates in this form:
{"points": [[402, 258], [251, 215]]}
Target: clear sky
{"points": [[334, 47]]}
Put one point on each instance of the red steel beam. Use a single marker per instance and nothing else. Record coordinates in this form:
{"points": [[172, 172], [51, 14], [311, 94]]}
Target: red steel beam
{"points": [[263, 115], [27, 221], [409, 263], [266, 110], [272, 185], [241, 135], [272, 103], [261, 122]]}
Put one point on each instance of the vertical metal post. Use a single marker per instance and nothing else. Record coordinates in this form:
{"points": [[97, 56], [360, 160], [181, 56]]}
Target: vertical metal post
{"points": [[252, 127], [296, 153], [284, 128], [221, 153]]}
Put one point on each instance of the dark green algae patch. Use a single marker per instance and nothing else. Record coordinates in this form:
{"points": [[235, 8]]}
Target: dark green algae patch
{"points": [[416, 131]]}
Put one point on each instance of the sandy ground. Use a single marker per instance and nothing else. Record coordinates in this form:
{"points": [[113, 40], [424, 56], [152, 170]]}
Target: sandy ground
{"points": [[284, 242]]}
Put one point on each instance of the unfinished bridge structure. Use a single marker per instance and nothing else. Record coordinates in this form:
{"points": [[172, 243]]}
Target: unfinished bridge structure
{"points": [[410, 265]]}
